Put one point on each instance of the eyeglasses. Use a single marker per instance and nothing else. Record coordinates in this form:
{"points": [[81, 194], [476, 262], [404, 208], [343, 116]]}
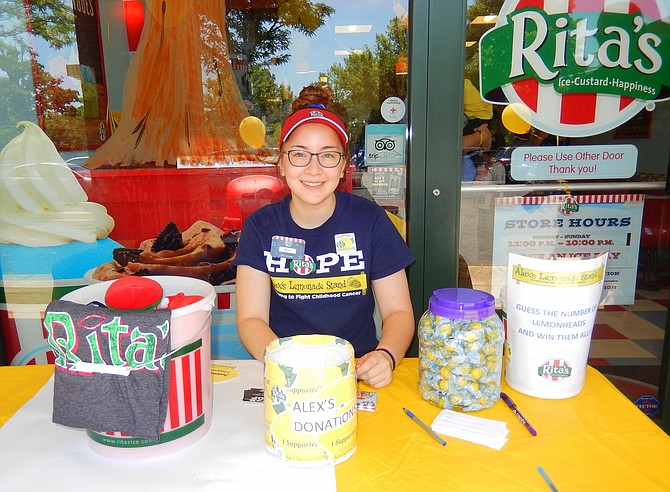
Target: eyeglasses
{"points": [[301, 158]]}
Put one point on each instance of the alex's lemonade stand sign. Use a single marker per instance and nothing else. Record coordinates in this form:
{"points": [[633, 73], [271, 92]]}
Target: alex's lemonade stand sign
{"points": [[551, 309], [578, 72]]}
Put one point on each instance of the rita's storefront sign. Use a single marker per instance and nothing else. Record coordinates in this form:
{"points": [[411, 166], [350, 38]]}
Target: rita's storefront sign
{"points": [[581, 68]]}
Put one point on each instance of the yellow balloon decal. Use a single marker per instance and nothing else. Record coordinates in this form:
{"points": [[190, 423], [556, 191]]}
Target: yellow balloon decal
{"points": [[252, 131], [516, 118]]}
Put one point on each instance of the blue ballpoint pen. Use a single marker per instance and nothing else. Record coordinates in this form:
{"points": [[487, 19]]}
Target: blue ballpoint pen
{"points": [[508, 401], [547, 479], [425, 427]]}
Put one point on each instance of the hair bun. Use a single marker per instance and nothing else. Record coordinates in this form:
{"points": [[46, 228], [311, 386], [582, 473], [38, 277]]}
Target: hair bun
{"points": [[313, 94]]}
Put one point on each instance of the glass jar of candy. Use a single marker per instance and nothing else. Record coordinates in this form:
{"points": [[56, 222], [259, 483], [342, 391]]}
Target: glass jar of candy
{"points": [[460, 350]]}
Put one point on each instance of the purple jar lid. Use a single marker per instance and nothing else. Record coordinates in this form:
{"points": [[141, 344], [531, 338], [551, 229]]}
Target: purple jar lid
{"points": [[457, 303]]}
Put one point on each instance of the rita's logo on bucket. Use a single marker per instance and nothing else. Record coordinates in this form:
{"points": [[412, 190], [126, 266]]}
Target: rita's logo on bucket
{"points": [[555, 369], [580, 68]]}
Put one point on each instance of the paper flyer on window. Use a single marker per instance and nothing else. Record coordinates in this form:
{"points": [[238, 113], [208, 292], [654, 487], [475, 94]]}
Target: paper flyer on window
{"points": [[388, 182], [572, 227]]}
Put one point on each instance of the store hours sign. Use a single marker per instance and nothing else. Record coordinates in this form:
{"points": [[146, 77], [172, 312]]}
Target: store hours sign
{"points": [[581, 68], [560, 227]]}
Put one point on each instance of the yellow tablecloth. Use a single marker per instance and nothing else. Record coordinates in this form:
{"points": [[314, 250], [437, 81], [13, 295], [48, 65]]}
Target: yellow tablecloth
{"points": [[597, 440], [18, 384]]}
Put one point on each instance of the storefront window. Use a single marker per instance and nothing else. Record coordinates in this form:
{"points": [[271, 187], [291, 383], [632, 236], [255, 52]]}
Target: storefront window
{"points": [[154, 120]]}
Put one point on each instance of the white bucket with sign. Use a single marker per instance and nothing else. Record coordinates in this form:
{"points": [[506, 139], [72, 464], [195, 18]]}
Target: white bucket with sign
{"points": [[551, 308], [189, 412], [310, 399]]}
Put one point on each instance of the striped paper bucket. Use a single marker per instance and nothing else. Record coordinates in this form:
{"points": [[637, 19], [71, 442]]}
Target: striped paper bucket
{"points": [[189, 413]]}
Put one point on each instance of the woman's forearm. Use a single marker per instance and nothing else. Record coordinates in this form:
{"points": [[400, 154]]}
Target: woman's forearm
{"points": [[253, 310], [255, 335], [397, 334]]}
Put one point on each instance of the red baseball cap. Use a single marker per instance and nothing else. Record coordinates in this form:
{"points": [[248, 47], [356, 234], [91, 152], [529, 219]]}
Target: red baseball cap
{"points": [[313, 115]]}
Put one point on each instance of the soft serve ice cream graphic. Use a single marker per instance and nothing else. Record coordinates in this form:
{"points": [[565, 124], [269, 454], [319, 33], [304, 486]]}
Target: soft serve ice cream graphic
{"points": [[44, 204], [51, 237]]}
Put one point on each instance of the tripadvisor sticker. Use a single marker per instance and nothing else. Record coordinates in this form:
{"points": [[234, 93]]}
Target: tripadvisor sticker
{"points": [[578, 72]]}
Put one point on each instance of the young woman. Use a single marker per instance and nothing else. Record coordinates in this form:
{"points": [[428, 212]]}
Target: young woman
{"points": [[316, 261]]}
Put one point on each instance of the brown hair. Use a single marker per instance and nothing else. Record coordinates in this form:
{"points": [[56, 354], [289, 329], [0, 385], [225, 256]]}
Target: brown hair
{"points": [[313, 94]]}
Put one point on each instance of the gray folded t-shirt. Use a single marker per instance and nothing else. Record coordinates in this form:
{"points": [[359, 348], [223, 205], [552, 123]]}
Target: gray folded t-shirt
{"points": [[133, 404]]}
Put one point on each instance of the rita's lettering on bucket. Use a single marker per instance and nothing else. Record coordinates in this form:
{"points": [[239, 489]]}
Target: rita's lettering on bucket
{"points": [[65, 340]]}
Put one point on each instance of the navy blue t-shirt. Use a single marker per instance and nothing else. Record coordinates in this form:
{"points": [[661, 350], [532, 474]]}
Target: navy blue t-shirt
{"points": [[322, 278]]}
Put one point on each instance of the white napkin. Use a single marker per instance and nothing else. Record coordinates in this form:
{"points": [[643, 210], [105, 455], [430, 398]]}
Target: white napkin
{"points": [[487, 432]]}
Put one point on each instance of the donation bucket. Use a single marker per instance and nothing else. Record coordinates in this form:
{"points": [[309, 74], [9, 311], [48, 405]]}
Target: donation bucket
{"points": [[310, 399], [551, 306], [189, 411]]}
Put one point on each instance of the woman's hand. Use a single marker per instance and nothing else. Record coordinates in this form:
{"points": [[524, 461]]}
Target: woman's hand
{"points": [[375, 368]]}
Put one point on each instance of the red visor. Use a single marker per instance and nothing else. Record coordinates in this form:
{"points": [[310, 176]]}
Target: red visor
{"points": [[313, 115]]}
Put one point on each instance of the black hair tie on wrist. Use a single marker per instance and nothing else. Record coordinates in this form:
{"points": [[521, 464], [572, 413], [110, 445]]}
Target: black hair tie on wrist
{"points": [[387, 351]]}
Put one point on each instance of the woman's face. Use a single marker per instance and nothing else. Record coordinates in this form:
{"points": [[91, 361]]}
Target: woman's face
{"points": [[312, 184]]}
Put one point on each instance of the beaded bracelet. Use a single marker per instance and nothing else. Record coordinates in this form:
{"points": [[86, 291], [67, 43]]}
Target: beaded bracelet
{"points": [[387, 351]]}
